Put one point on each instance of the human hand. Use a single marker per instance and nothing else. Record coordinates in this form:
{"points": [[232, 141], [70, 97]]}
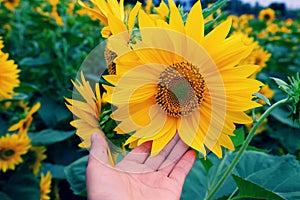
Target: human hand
{"points": [[150, 178]]}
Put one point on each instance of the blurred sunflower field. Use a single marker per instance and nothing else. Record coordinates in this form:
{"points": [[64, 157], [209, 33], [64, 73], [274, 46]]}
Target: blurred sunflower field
{"points": [[43, 45]]}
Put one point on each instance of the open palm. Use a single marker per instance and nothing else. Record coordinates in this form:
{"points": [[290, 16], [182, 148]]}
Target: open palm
{"points": [[138, 176]]}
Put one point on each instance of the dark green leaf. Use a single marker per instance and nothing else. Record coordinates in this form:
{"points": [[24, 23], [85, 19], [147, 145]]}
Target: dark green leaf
{"points": [[75, 174], [22, 185], [29, 61], [4, 196], [251, 190], [264, 174], [262, 97], [49, 136], [282, 115], [288, 137], [207, 164], [281, 84], [239, 137], [52, 112], [57, 171], [212, 9]]}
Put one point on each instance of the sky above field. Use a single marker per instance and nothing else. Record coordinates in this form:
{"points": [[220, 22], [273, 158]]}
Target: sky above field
{"points": [[289, 3]]}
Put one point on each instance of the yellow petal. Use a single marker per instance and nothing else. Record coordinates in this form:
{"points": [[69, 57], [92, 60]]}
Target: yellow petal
{"points": [[194, 25]]}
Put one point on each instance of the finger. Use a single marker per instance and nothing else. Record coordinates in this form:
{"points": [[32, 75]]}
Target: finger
{"points": [[98, 151], [183, 167], [138, 154], [176, 154], [156, 161]]}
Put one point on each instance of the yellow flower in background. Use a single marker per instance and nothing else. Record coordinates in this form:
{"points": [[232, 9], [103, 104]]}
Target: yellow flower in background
{"points": [[12, 147], [37, 155], [111, 13], [71, 6], [9, 75], [10, 4], [54, 14], [23, 125], [45, 186], [262, 126], [289, 22], [149, 5], [87, 111], [116, 26], [162, 10], [1, 43], [259, 57], [182, 81], [284, 29], [267, 14], [272, 28], [267, 92]]}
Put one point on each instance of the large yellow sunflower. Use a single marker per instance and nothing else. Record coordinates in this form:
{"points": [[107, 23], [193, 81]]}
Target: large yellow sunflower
{"points": [[36, 157], [9, 75], [176, 80], [10, 4], [45, 186], [23, 125], [12, 147]]}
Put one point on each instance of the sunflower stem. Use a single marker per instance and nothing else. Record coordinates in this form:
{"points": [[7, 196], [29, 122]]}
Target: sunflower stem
{"points": [[213, 191]]}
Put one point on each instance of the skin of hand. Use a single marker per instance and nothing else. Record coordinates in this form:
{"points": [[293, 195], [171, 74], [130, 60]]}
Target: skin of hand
{"points": [[138, 176]]}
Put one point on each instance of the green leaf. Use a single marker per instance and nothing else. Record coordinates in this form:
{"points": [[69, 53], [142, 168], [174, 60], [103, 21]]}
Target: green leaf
{"points": [[198, 182], [282, 115], [29, 61], [281, 84], [75, 174], [57, 171], [52, 112], [251, 190], [22, 185], [239, 137], [207, 164], [4, 196], [262, 97], [268, 176], [288, 137], [212, 9], [49, 136]]}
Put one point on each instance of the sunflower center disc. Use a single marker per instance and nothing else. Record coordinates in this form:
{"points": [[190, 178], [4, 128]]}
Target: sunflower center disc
{"points": [[181, 89], [6, 153]]}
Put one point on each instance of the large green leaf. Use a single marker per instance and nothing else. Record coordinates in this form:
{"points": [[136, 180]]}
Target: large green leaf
{"points": [[57, 171], [199, 181], [52, 112], [22, 185], [288, 137], [4, 196], [264, 176], [49, 136], [251, 190], [75, 174], [282, 115]]}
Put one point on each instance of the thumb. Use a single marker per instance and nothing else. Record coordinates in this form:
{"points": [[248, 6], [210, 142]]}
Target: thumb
{"points": [[99, 147]]}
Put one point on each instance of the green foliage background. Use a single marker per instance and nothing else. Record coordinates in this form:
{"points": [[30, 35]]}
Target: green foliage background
{"points": [[50, 55]]}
